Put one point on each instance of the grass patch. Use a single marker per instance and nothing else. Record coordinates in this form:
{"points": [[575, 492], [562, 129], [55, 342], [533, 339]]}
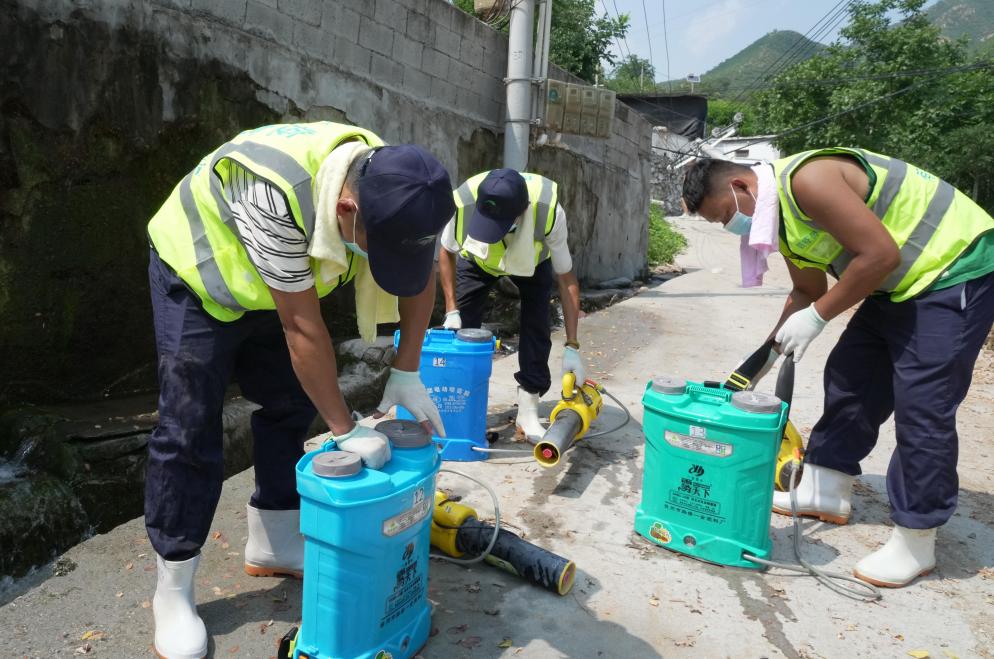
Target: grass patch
{"points": [[665, 242]]}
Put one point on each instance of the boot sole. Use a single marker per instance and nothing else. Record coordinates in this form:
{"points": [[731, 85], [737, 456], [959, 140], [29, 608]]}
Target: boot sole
{"points": [[261, 571], [824, 517], [162, 656], [890, 584]]}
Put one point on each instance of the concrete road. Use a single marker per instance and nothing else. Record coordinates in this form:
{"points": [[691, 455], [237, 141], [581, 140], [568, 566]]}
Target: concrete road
{"points": [[631, 599]]}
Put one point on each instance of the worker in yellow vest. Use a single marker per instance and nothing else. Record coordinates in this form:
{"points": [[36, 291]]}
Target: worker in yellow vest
{"points": [[241, 253], [917, 255], [511, 224]]}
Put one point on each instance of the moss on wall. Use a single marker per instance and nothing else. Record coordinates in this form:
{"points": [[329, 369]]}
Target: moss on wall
{"points": [[89, 153]]}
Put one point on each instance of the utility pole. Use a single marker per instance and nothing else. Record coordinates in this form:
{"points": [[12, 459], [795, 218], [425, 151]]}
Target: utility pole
{"points": [[517, 126]]}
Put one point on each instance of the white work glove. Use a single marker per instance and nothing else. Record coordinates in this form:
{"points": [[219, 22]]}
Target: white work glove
{"points": [[799, 330], [771, 359], [573, 363], [372, 446], [453, 321], [406, 389]]}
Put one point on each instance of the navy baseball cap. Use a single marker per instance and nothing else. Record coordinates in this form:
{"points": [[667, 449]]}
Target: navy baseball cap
{"points": [[500, 199], [406, 199]]}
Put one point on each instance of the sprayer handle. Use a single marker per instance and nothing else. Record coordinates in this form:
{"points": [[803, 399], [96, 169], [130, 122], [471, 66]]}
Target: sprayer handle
{"points": [[569, 385], [785, 381]]}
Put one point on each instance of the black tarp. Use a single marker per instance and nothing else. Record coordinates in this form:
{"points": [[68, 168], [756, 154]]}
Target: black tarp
{"points": [[684, 114]]}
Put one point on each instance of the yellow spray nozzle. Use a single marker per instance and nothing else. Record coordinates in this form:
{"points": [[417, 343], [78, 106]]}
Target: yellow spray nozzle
{"points": [[585, 403]]}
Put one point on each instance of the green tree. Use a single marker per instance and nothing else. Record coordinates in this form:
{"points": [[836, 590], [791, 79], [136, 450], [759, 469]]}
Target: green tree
{"points": [[936, 117], [722, 112], [633, 74], [580, 40]]}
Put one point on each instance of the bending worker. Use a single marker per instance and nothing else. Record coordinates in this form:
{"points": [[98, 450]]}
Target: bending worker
{"points": [[242, 251], [511, 224], [917, 256]]}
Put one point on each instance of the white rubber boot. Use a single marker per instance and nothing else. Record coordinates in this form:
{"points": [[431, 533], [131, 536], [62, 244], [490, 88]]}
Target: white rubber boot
{"points": [[179, 631], [909, 554], [275, 546], [823, 493], [527, 424]]}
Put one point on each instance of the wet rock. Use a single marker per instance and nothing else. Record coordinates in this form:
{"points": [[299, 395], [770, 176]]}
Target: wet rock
{"points": [[380, 353], [41, 516], [362, 385]]}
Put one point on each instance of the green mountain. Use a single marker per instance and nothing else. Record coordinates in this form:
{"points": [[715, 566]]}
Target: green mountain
{"points": [[973, 19], [739, 71]]}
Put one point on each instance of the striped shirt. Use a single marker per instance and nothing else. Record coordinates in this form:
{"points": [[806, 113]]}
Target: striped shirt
{"points": [[275, 244]]}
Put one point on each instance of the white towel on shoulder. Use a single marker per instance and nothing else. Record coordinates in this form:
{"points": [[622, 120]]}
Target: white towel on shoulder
{"points": [[373, 304], [519, 257]]}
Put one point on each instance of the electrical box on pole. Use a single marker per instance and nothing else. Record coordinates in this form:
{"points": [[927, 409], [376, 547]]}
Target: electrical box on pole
{"points": [[578, 109]]}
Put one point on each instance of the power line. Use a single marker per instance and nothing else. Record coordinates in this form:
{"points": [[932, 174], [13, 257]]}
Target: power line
{"points": [[616, 40], [906, 73], [807, 48], [776, 65], [645, 14], [838, 114], [666, 44], [623, 37]]}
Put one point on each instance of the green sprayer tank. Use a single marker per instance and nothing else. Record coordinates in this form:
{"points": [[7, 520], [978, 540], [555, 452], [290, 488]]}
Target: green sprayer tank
{"points": [[710, 457]]}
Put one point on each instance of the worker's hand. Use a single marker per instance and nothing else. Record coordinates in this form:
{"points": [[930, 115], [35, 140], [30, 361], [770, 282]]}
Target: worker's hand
{"points": [[372, 446], [573, 363], [453, 321], [799, 330], [771, 359], [406, 389]]}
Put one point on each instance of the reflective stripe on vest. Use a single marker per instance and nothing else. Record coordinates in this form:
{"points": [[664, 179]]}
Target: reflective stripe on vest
{"points": [[912, 207], [543, 205], [210, 274]]}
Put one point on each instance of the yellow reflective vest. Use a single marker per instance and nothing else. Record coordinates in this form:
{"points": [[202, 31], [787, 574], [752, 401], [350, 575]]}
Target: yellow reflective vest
{"points": [[195, 231], [932, 222], [543, 196]]}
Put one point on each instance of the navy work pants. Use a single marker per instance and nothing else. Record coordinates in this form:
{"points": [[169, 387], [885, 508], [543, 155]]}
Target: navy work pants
{"points": [[198, 356], [913, 359], [535, 343]]}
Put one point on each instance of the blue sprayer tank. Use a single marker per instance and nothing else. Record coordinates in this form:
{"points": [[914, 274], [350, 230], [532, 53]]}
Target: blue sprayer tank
{"points": [[455, 368], [366, 540], [710, 457]]}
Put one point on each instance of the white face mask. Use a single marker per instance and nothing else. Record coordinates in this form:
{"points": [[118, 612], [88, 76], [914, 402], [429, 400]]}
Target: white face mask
{"points": [[354, 247], [740, 224]]}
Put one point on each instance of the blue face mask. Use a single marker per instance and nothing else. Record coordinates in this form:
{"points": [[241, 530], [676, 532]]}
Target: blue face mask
{"points": [[354, 247], [740, 224]]}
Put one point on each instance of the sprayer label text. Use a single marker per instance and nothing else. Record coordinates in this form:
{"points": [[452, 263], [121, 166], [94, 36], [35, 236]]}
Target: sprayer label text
{"points": [[698, 445], [409, 517], [409, 588]]}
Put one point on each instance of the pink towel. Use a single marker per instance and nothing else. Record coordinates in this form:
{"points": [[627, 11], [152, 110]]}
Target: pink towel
{"points": [[763, 239]]}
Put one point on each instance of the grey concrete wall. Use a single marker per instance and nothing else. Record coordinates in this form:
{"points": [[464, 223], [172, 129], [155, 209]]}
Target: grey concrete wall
{"points": [[149, 86]]}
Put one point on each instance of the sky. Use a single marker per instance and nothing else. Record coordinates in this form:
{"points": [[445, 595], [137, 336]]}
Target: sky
{"points": [[703, 33]]}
